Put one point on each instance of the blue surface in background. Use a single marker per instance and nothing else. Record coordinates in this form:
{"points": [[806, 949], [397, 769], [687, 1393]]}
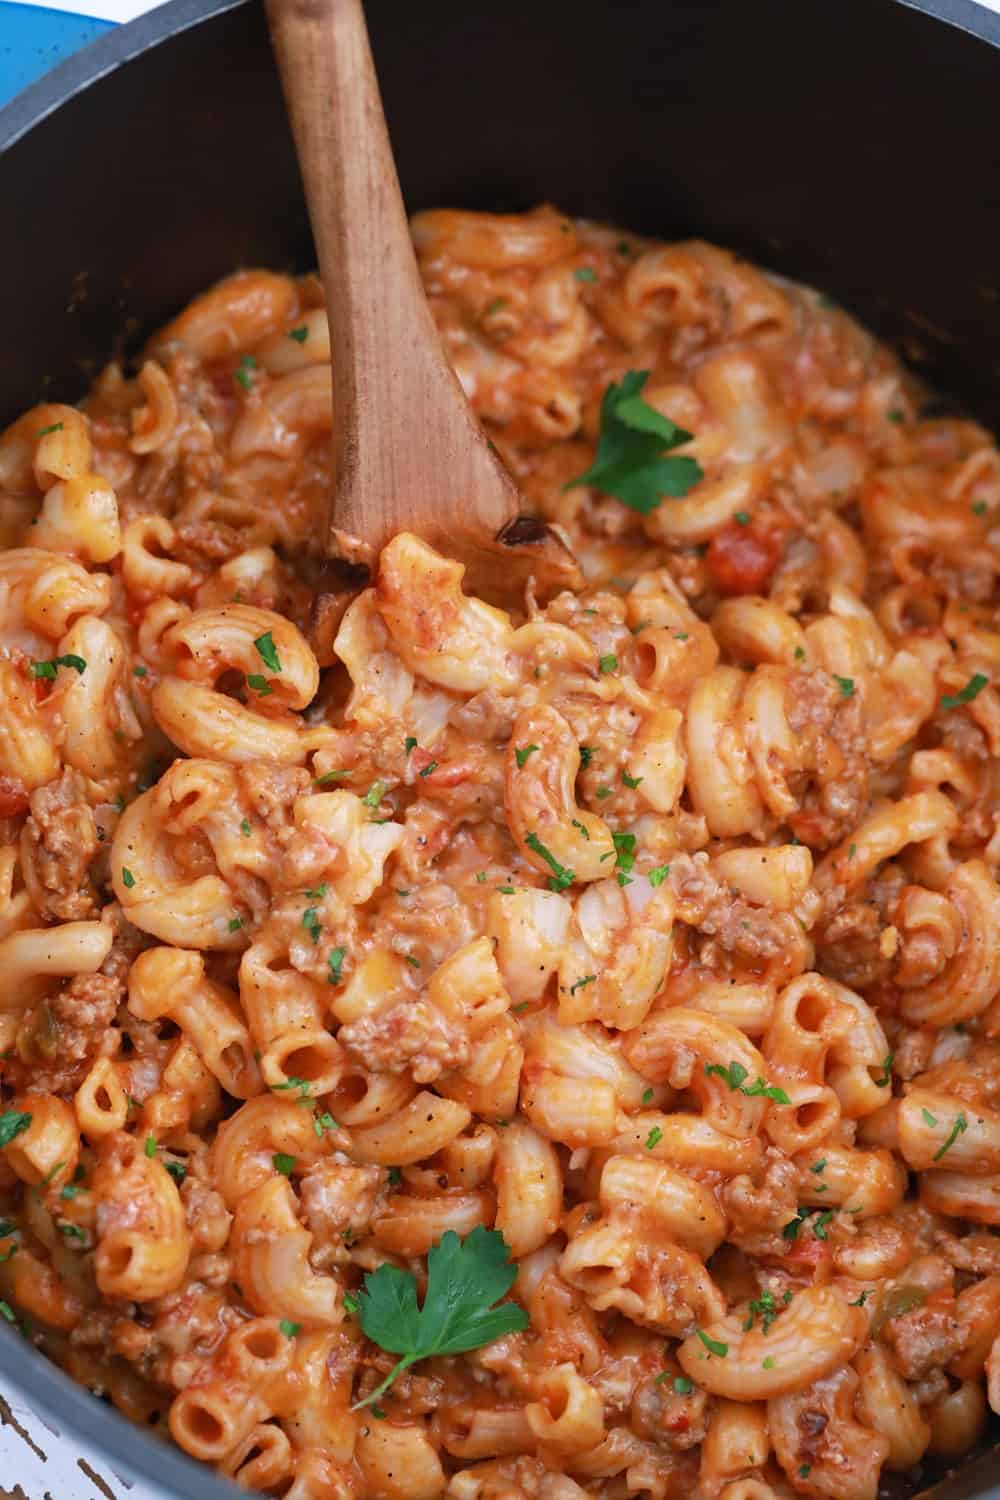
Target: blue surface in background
{"points": [[32, 41]]}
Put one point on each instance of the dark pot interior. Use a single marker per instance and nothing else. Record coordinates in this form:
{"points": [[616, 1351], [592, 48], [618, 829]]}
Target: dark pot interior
{"points": [[851, 143]]}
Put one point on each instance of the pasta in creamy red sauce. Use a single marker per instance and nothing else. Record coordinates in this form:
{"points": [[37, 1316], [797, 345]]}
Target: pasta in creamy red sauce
{"points": [[592, 1011]]}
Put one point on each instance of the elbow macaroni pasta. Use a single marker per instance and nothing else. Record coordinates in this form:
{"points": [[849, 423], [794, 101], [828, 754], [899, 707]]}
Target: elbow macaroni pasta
{"points": [[657, 928]]}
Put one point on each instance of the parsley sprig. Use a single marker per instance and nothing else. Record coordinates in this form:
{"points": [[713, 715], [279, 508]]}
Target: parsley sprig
{"points": [[631, 461], [464, 1280]]}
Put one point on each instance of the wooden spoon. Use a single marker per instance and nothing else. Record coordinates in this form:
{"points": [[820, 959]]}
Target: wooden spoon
{"points": [[408, 453]]}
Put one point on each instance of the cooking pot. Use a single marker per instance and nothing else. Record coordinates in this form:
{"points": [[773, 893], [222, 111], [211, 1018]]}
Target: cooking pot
{"points": [[849, 143]]}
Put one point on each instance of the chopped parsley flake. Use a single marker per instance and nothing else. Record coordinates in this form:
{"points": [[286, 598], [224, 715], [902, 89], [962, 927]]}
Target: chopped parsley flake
{"points": [[886, 1079], [268, 651], [48, 668], [283, 1163], [958, 1128], [259, 683], [647, 1096], [608, 663], [521, 754], [587, 753], [658, 875], [150, 1146], [682, 1385], [335, 961], [311, 922], [299, 334], [632, 781], [245, 828], [972, 689], [585, 273], [579, 983], [242, 374], [128, 879], [846, 685], [289, 1329], [561, 876], [712, 1345], [654, 1137], [928, 1117]]}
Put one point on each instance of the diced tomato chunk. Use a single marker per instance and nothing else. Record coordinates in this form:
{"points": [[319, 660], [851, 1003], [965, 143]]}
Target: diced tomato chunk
{"points": [[13, 796], [741, 559]]}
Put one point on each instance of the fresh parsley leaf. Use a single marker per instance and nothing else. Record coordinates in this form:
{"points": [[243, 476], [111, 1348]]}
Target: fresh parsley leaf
{"points": [[585, 273], [742, 518], [860, 1301], [581, 829], [579, 983], [299, 334], [324, 1122], [561, 876], [465, 1278], [608, 664], [658, 875], [603, 791], [631, 781], [712, 1345], [140, 671], [896, 415], [654, 1137], [259, 683], [245, 828], [283, 1163], [972, 689], [521, 754], [374, 794], [311, 923], [12, 1124], [768, 1363], [886, 1079], [631, 461], [431, 766], [958, 1128], [819, 1167], [53, 427], [682, 1385], [846, 685], [409, 743], [647, 1096], [289, 1329], [177, 1170], [335, 962], [587, 753], [235, 923], [928, 1117], [150, 1146], [413, 961]]}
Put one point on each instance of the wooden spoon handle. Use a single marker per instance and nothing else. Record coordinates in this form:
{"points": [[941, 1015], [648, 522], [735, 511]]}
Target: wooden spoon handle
{"points": [[408, 453]]}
